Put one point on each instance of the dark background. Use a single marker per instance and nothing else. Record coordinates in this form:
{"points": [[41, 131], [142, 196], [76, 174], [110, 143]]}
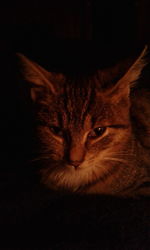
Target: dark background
{"points": [[74, 33], [71, 36]]}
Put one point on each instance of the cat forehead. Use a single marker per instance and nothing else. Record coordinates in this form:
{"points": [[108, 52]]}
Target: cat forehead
{"points": [[78, 107], [80, 99]]}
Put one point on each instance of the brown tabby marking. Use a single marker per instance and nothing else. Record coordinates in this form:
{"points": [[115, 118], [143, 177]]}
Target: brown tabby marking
{"points": [[89, 134]]}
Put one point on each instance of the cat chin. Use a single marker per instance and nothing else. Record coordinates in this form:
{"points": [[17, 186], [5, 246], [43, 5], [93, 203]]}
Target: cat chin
{"points": [[93, 187], [69, 179], [72, 180]]}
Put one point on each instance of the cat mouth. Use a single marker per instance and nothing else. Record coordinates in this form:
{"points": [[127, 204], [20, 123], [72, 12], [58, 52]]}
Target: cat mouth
{"points": [[77, 168], [78, 180], [96, 177]]}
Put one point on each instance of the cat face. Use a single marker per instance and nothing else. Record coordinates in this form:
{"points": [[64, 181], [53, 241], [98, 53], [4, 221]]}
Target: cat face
{"points": [[83, 130], [79, 138]]}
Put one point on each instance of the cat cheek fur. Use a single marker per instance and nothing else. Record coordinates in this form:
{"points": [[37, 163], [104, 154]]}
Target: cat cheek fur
{"points": [[49, 146]]}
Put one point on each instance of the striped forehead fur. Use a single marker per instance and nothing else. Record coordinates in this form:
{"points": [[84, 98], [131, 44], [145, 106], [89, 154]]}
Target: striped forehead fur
{"points": [[79, 96]]}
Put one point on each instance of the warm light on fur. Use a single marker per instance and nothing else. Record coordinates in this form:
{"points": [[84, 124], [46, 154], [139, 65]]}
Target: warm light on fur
{"points": [[72, 157]]}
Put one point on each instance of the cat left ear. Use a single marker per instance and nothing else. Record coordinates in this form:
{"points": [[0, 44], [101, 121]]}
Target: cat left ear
{"points": [[123, 86], [37, 76]]}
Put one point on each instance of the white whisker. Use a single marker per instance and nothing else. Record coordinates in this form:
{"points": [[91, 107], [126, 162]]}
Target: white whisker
{"points": [[116, 159]]}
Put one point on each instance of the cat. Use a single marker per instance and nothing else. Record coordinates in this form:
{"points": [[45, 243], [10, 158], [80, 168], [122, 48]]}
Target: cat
{"points": [[92, 133]]}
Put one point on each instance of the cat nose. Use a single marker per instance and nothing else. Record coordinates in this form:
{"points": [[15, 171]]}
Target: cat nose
{"points": [[76, 155], [75, 163]]}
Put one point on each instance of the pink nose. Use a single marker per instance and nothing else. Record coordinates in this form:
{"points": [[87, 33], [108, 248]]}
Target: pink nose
{"points": [[76, 155], [75, 163]]}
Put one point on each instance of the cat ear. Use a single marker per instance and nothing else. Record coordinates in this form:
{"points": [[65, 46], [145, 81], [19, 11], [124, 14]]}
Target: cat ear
{"points": [[37, 76], [128, 81]]}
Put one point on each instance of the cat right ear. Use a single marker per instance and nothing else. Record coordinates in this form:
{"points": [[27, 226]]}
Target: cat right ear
{"points": [[37, 76], [123, 87]]}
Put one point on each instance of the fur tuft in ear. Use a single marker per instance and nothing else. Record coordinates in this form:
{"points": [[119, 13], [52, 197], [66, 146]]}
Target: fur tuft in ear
{"points": [[133, 74], [123, 86], [36, 76]]}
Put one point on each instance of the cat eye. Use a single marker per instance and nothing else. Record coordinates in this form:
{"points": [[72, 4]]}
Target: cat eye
{"points": [[56, 130], [97, 132]]}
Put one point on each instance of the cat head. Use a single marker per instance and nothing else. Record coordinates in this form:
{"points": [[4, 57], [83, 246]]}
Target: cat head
{"points": [[84, 126]]}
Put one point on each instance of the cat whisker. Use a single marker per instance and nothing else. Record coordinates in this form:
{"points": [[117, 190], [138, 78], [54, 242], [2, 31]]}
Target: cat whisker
{"points": [[122, 153], [115, 156], [117, 160]]}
